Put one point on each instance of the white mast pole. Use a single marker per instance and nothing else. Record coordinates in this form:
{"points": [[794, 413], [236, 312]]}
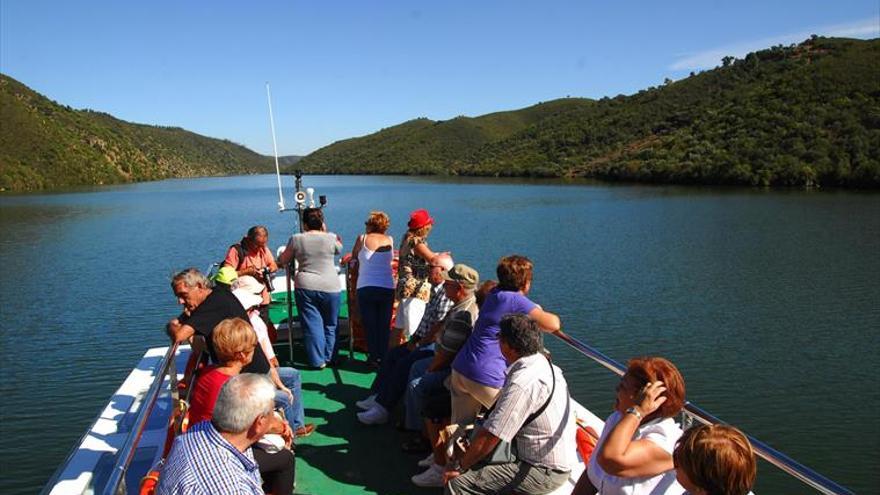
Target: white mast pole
{"points": [[275, 147]]}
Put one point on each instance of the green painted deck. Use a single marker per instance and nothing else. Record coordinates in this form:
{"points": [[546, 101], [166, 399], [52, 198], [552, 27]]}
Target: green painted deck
{"points": [[343, 456], [278, 306]]}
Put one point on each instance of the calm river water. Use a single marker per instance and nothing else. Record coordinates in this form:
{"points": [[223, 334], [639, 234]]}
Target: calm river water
{"points": [[768, 301]]}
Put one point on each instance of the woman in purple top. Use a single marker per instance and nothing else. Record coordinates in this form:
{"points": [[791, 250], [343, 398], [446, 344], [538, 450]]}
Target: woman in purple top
{"points": [[479, 368]]}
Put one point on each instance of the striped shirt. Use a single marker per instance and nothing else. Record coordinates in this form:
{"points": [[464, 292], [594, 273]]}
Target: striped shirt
{"points": [[549, 440], [458, 325], [436, 310], [202, 462]]}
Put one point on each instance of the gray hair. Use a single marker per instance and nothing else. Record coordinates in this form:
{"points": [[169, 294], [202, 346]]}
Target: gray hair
{"points": [[521, 334], [242, 400], [190, 277]]}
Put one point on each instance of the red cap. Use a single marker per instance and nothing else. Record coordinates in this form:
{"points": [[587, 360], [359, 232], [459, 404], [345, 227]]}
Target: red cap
{"points": [[419, 219]]}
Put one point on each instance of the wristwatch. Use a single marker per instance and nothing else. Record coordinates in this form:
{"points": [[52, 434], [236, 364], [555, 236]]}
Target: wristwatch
{"points": [[635, 412]]}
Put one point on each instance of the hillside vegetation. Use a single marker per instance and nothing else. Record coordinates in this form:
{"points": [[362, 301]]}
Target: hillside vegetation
{"points": [[45, 145], [804, 115]]}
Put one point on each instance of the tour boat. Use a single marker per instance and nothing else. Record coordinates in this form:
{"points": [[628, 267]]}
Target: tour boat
{"points": [[124, 447]]}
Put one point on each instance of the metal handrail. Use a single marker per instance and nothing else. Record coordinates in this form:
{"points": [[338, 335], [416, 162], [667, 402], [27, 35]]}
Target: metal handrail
{"points": [[116, 482], [774, 457]]}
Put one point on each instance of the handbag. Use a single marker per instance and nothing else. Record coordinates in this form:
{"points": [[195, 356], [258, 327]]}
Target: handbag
{"points": [[505, 452]]}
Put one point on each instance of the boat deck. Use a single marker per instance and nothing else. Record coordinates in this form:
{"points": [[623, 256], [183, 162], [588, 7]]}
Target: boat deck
{"points": [[343, 456]]}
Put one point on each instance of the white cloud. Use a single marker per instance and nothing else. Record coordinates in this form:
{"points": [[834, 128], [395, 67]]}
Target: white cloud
{"points": [[707, 59]]}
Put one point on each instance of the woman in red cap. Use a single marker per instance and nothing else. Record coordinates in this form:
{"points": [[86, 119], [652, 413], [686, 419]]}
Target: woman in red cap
{"points": [[413, 287]]}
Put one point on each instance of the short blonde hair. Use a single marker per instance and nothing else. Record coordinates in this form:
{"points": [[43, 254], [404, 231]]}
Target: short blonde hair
{"points": [[230, 336], [716, 458], [377, 222]]}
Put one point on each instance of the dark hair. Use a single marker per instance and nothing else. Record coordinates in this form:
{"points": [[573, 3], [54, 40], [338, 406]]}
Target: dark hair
{"points": [[514, 272], [483, 292], [252, 232], [313, 218], [249, 241], [521, 334]]}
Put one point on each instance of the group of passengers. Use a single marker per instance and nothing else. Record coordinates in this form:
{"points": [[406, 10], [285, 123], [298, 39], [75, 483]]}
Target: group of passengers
{"points": [[466, 359], [473, 354]]}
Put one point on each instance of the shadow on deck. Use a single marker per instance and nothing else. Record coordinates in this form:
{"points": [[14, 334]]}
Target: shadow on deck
{"points": [[343, 456]]}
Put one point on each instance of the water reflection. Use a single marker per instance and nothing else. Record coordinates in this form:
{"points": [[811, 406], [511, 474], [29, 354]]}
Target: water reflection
{"points": [[766, 300]]}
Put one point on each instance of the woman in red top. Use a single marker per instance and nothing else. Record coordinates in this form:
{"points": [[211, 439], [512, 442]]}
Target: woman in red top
{"points": [[234, 344]]}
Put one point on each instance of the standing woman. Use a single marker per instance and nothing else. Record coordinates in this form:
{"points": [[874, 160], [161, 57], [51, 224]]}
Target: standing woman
{"points": [[375, 286], [316, 285], [413, 287]]}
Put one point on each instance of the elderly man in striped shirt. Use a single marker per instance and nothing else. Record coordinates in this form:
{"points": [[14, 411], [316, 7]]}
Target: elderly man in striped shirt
{"points": [[532, 412], [215, 456]]}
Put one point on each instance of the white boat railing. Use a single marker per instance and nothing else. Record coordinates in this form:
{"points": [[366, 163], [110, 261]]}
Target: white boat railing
{"points": [[692, 413], [116, 482]]}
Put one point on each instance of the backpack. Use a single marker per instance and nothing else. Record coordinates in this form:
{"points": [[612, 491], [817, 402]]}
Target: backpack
{"points": [[240, 250]]}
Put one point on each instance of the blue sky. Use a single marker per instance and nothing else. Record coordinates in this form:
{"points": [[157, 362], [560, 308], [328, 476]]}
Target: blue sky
{"points": [[344, 69]]}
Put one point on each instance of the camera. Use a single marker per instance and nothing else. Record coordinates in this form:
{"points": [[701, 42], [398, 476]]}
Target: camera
{"points": [[267, 278]]}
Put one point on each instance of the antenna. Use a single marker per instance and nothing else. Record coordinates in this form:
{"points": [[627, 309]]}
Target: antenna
{"points": [[275, 147]]}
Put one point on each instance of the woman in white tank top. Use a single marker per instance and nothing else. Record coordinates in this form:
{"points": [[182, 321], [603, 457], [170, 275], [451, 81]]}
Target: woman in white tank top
{"points": [[374, 252]]}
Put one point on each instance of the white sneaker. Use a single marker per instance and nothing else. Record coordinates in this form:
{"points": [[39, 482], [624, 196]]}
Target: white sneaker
{"points": [[376, 415], [431, 478], [367, 403], [427, 461]]}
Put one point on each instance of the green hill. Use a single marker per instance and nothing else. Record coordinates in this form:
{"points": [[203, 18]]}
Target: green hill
{"points": [[45, 145], [803, 115]]}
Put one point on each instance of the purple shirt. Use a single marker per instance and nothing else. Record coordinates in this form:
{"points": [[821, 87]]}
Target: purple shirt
{"points": [[480, 358]]}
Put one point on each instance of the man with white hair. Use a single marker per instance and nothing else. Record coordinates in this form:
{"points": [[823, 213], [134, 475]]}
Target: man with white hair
{"points": [[215, 456], [203, 308]]}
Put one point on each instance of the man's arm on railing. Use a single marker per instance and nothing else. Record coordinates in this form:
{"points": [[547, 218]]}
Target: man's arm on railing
{"points": [[179, 331]]}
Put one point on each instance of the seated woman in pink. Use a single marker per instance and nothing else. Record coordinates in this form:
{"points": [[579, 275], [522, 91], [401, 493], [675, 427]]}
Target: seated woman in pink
{"points": [[234, 344], [252, 255]]}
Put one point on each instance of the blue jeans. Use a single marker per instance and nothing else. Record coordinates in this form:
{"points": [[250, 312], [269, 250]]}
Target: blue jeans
{"points": [[428, 385], [293, 411], [375, 305], [394, 373], [318, 315], [413, 418]]}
